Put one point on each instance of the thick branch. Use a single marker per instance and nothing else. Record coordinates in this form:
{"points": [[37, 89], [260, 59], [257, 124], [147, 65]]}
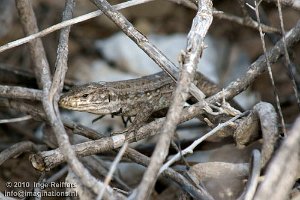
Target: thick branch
{"points": [[282, 171], [20, 92], [18, 149]]}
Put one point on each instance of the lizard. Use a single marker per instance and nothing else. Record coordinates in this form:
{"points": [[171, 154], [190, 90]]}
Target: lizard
{"points": [[139, 98]]}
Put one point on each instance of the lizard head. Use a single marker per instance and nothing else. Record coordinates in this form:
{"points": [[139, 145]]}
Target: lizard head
{"points": [[92, 97]]}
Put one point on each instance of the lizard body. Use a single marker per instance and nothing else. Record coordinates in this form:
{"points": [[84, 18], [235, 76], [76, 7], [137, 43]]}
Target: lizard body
{"points": [[134, 97]]}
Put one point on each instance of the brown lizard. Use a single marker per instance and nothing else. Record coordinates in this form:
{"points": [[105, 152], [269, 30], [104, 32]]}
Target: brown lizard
{"points": [[137, 98]]}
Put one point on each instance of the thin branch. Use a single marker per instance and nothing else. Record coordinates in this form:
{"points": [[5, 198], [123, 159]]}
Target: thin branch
{"points": [[247, 19], [18, 119], [37, 51], [255, 173], [286, 55], [222, 15], [195, 192], [257, 67], [82, 130], [67, 23], [112, 170], [270, 69], [100, 168], [191, 147]]}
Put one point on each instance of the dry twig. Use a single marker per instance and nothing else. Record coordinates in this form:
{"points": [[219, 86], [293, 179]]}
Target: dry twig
{"points": [[286, 55], [270, 69], [254, 176], [66, 23], [191, 147], [18, 119], [112, 170], [222, 15]]}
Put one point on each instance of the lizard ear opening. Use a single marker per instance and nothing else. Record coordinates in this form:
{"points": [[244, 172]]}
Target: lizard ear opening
{"points": [[85, 95]]}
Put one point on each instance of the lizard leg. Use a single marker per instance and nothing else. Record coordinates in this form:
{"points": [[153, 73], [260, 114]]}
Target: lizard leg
{"points": [[139, 120], [97, 118], [126, 120]]}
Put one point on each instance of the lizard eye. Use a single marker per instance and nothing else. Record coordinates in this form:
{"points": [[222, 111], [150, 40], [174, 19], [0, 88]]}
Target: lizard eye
{"points": [[85, 95]]}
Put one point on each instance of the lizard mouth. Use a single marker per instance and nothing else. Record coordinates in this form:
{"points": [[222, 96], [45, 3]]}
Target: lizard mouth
{"points": [[66, 104], [73, 105]]}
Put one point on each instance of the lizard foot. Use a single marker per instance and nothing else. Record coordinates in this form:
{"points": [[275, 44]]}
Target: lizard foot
{"points": [[130, 129], [139, 120]]}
